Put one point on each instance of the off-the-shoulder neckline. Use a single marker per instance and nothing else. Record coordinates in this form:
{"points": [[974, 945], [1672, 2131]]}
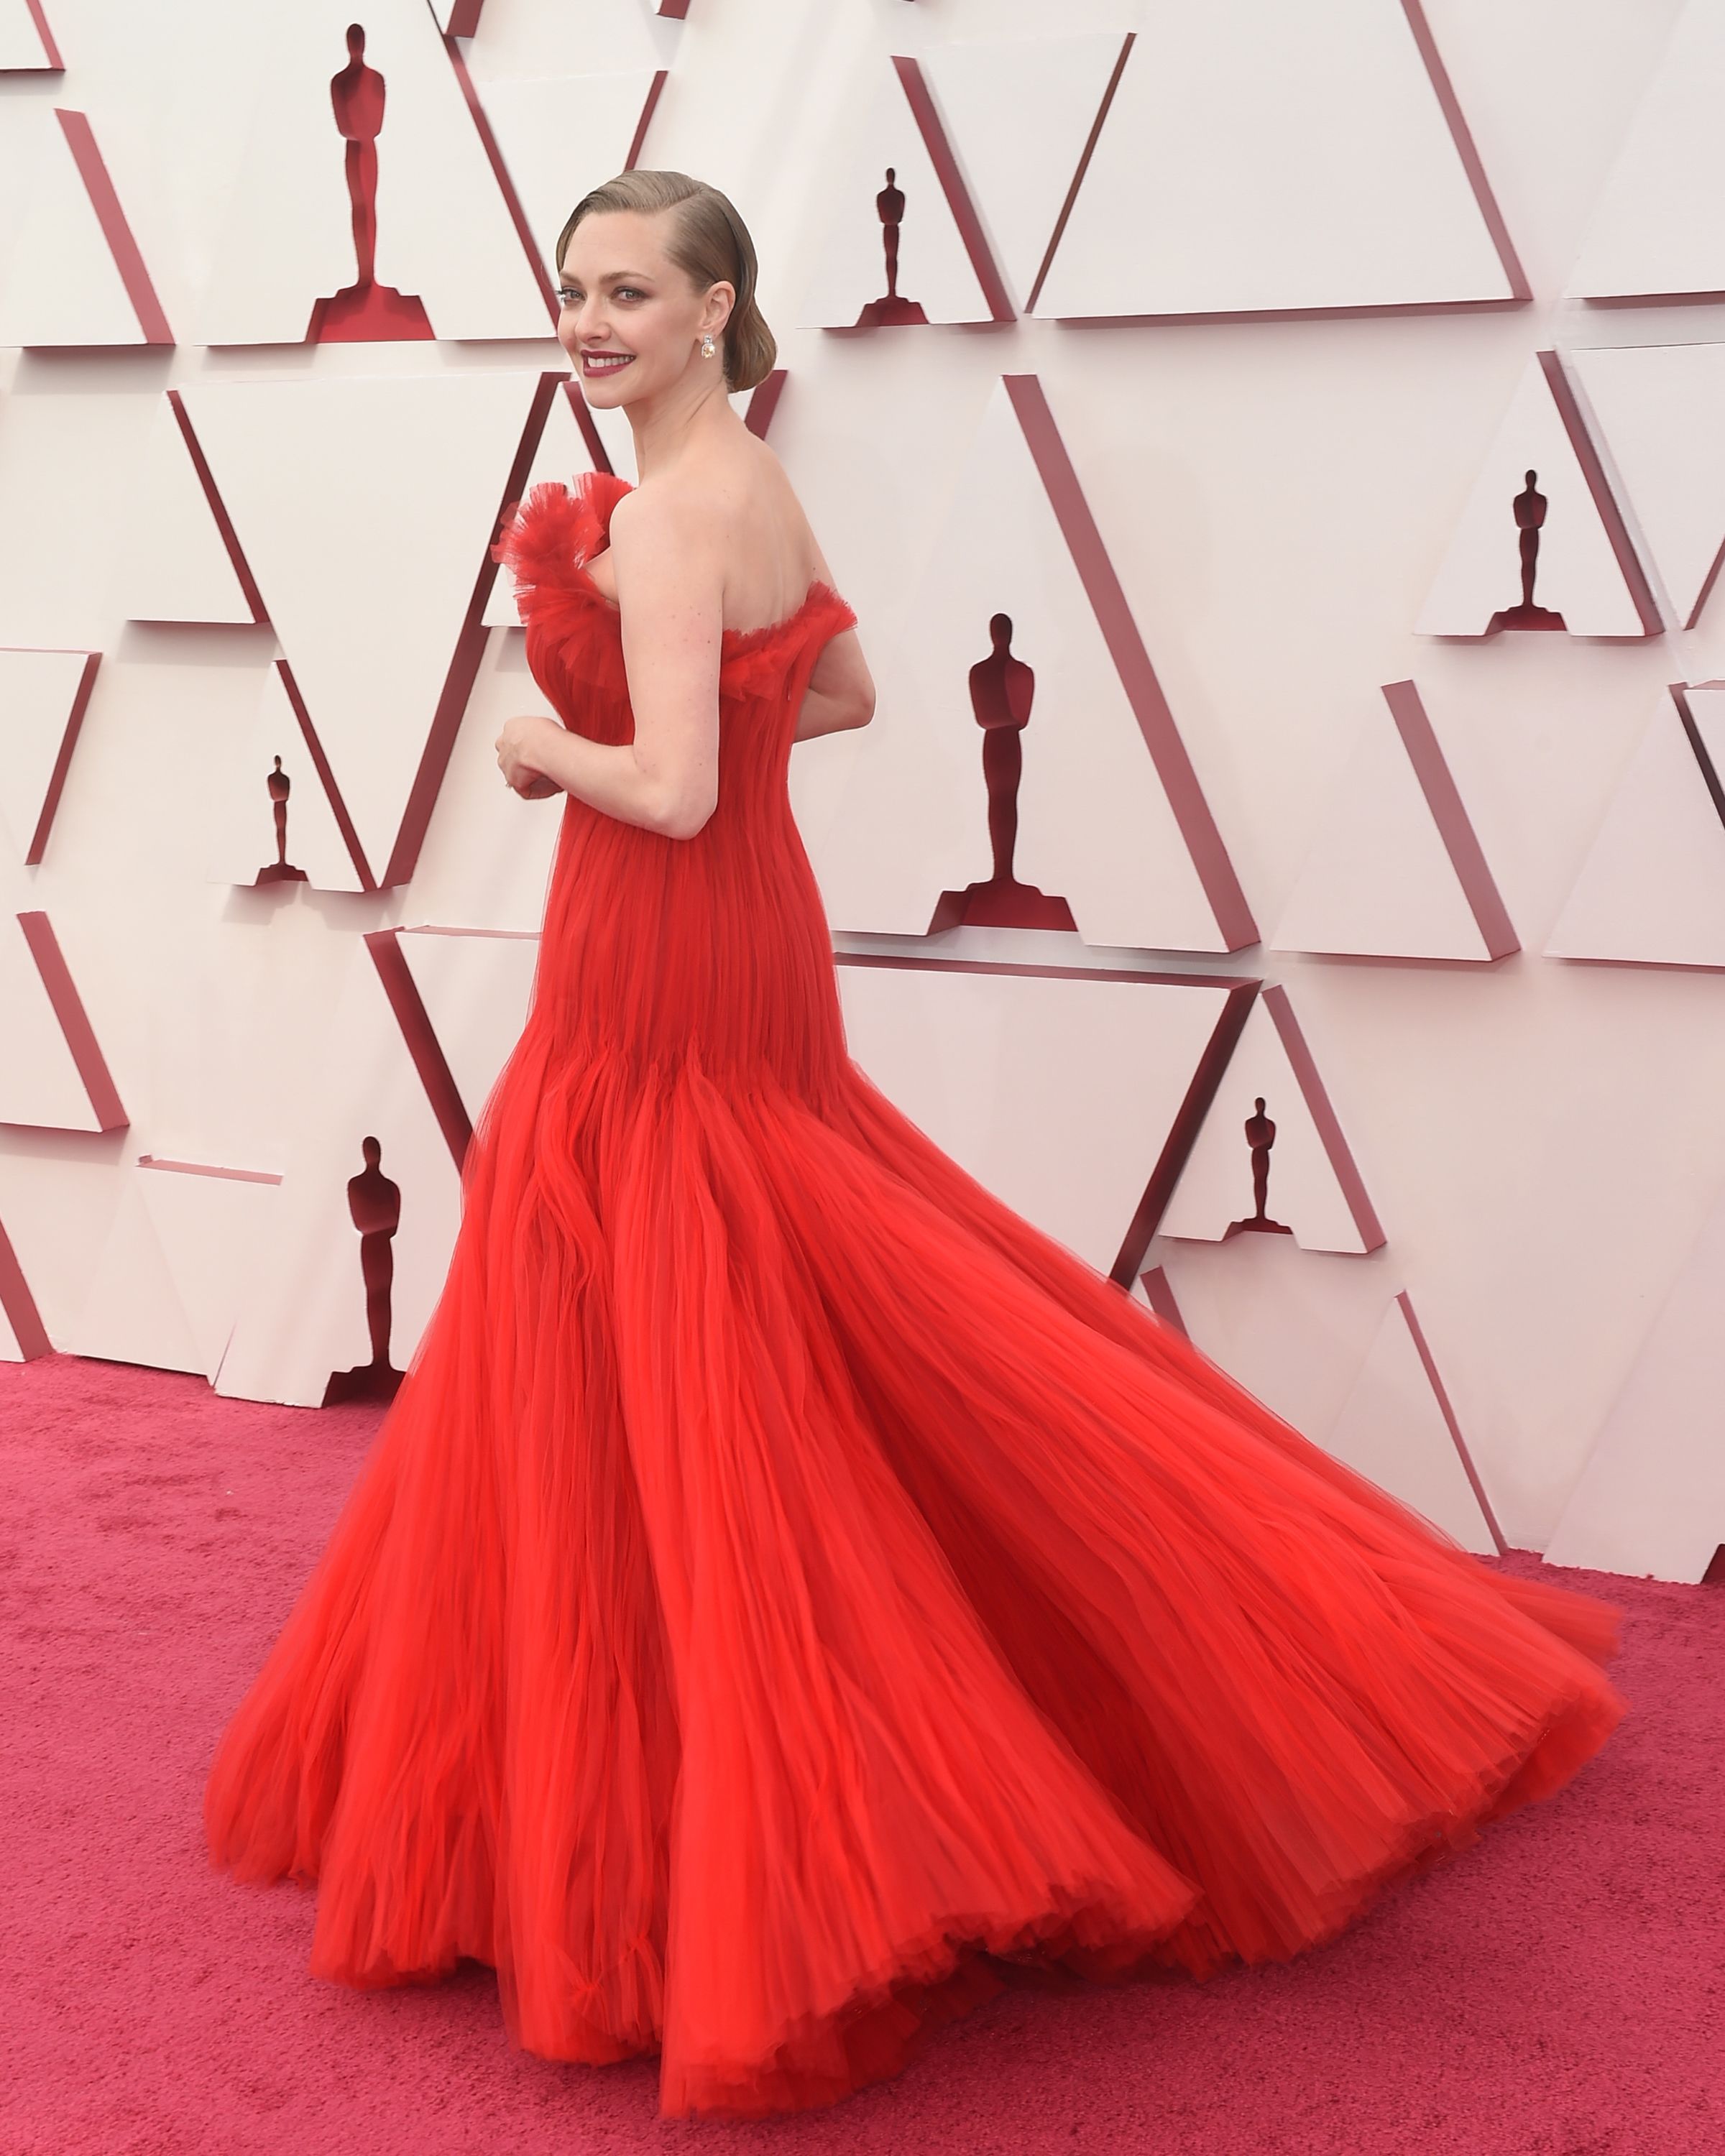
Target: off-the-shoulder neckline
{"points": [[731, 640]]}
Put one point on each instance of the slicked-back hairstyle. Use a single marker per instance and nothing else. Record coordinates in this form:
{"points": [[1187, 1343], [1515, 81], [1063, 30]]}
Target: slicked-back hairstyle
{"points": [[708, 241]]}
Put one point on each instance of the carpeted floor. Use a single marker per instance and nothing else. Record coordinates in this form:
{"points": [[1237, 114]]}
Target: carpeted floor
{"points": [[1556, 1992]]}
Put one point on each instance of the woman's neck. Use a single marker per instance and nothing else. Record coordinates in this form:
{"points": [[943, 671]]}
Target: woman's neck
{"points": [[673, 431]]}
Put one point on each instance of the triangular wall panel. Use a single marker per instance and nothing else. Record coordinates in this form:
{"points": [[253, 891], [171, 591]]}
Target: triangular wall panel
{"points": [[445, 239], [44, 695], [54, 1075], [1019, 112], [1585, 569], [1654, 409], [1651, 1499], [1396, 869], [1655, 232], [1114, 836], [178, 557], [71, 274], [600, 38], [303, 1317], [266, 752], [943, 273], [533, 118], [22, 1335], [366, 507], [1251, 129], [1651, 890], [130, 1309], [476, 990], [209, 1223], [1315, 1187], [1398, 1428], [1157, 1290], [1058, 1089], [27, 42]]}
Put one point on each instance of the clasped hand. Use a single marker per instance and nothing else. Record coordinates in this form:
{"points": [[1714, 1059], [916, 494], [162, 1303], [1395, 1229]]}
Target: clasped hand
{"points": [[515, 759]]}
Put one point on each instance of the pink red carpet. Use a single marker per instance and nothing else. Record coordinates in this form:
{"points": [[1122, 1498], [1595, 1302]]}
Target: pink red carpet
{"points": [[1559, 1993]]}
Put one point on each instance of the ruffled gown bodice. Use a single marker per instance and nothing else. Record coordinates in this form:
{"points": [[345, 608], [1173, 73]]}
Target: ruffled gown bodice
{"points": [[661, 946]]}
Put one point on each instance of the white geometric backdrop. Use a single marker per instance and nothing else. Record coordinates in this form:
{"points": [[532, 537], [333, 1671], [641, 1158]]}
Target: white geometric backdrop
{"points": [[1222, 342]]}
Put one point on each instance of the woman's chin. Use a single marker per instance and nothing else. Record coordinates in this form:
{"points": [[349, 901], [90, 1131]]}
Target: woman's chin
{"points": [[607, 389]]}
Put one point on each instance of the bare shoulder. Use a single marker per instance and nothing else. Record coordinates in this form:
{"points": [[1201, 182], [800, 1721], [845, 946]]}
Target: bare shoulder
{"points": [[660, 542], [737, 493], [657, 513], [750, 497], [784, 506]]}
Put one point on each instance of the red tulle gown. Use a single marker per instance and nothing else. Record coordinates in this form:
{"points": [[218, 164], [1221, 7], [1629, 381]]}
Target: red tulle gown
{"points": [[787, 1584]]}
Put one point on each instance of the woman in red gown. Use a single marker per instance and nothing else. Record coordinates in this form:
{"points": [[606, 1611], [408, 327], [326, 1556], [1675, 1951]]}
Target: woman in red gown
{"points": [[787, 1585]]}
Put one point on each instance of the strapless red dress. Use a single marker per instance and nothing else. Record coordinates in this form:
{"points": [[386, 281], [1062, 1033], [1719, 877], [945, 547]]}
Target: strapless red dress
{"points": [[788, 1588]]}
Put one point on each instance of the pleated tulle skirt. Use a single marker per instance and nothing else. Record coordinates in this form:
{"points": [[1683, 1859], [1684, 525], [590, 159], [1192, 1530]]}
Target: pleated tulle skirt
{"points": [[786, 1579]]}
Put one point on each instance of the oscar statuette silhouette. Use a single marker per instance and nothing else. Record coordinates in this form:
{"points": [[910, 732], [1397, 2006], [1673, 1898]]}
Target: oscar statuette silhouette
{"points": [[365, 311], [1260, 1136], [374, 1205], [1001, 691], [1530, 506], [891, 309], [280, 870]]}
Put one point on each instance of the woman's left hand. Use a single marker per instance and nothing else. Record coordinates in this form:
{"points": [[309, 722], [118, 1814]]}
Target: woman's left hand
{"points": [[515, 759]]}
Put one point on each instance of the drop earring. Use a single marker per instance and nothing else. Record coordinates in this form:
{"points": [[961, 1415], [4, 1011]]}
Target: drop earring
{"points": [[706, 347]]}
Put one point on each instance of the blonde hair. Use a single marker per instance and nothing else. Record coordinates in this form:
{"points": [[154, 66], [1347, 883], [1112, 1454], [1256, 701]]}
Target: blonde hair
{"points": [[708, 242]]}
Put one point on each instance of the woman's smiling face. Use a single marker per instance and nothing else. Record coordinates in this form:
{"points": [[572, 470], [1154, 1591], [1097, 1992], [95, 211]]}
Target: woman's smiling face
{"points": [[631, 322]]}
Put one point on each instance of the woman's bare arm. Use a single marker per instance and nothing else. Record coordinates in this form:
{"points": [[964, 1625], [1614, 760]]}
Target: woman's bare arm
{"points": [[841, 690], [670, 582], [840, 693]]}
